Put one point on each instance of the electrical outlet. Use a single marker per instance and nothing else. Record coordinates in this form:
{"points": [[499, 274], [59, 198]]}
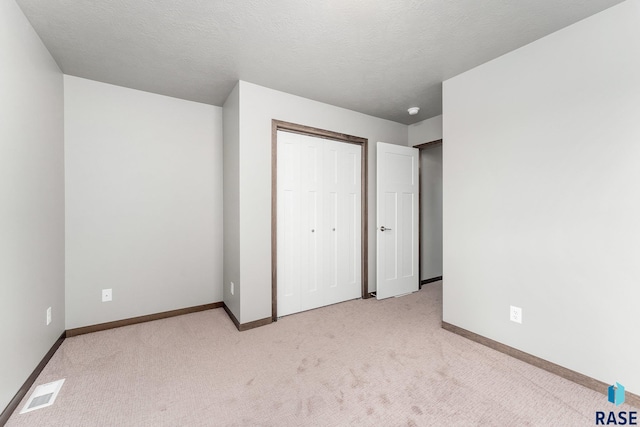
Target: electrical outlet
{"points": [[515, 314], [232, 288], [48, 316], [106, 295]]}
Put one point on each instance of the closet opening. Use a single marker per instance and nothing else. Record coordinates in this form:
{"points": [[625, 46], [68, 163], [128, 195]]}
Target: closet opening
{"points": [[320, 203]]}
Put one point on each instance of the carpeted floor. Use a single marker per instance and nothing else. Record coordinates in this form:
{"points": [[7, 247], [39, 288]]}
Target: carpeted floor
{"points": [[374, 363]]}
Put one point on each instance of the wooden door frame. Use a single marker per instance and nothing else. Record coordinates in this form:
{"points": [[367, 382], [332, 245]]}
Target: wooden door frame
{"points": [[279, 125], [421, 147]]}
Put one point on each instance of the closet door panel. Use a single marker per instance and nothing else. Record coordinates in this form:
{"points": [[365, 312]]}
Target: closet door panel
{"points": [[312, 281], [289, 225], [345, 230], [331, 252]]}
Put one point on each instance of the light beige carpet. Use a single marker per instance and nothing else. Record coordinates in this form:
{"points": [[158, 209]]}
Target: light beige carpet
{"points": [[374, 363]]}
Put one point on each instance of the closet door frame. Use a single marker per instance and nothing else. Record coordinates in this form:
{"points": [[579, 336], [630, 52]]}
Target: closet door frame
{"points": [[279, 125]]}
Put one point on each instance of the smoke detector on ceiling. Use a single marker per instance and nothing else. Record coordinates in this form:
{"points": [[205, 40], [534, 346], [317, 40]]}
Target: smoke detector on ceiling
{"points": [[413, 111]]}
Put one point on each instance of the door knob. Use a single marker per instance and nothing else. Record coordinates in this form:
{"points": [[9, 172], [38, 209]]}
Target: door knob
{"points": [[384, 229]]}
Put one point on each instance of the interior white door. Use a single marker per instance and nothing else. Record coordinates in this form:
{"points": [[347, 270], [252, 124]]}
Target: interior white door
{"points": [[318, 222], [397, 220]]}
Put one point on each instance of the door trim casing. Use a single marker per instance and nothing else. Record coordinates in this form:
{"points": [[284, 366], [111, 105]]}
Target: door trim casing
{"points": [[279, 125]]}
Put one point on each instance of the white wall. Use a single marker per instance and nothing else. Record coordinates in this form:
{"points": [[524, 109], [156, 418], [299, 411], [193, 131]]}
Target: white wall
{"points": [[31, 200], [143, 202], [231, 124], [541, 206], [258, 106], [431, 211], [425, 131]]}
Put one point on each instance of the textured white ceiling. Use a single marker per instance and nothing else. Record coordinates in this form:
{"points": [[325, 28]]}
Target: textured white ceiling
{"points": [[378, 57]]}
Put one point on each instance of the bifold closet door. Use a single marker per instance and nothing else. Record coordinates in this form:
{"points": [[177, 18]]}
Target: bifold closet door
{"points": [[343, 219], [318, 222]]}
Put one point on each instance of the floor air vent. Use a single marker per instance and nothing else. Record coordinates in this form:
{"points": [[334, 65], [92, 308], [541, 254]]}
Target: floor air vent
{"points": [[44, 395]]}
